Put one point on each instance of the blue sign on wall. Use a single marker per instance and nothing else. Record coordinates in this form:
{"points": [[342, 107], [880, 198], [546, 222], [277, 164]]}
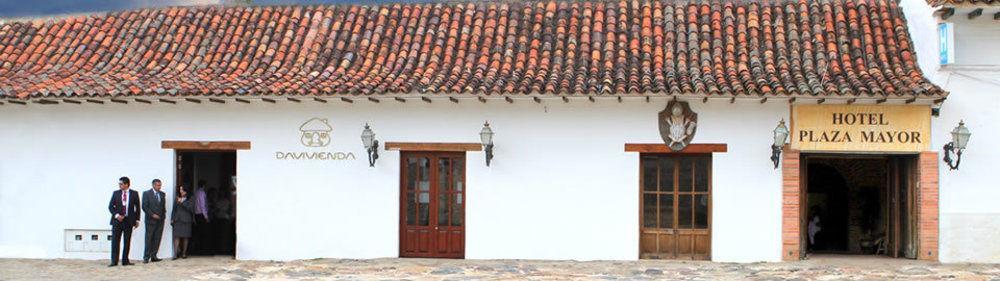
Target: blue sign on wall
{"points": [[946, 42]]}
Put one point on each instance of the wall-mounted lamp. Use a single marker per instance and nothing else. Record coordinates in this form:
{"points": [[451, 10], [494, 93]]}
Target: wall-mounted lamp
{"points": [[486, 135], [780, 135], [371, 145], [959, 138]]}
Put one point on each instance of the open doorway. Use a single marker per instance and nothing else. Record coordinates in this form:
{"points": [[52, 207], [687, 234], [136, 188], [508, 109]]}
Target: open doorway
{"points": [[210, 175], [860, 205]]}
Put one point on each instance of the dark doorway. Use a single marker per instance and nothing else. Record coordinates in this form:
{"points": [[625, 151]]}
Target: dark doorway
{"points": [[210, 175], [859, 204], [432, 205]]}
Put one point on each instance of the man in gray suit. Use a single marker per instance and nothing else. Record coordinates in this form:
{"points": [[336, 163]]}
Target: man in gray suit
{"points": [[155, 206]]}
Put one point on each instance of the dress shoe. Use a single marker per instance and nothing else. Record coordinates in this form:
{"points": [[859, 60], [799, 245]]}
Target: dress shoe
{"points": [[184, 257], [155, 259], [113, 265], [175, 258], [127, 263], [145, 261]]}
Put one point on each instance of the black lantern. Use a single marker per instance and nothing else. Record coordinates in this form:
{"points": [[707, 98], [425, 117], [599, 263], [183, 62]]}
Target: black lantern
{"points": [[959, 138], [486, 135], [371, 145], [780, 135]]}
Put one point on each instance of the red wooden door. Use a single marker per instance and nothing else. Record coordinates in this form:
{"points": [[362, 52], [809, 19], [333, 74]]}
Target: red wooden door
{"points": [[432, 205]]}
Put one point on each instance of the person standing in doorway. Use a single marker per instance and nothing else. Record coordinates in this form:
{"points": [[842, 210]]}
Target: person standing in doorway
{"points": [[202, 226], [181, 219], [155, 208], [201, 203], [124, 208]]}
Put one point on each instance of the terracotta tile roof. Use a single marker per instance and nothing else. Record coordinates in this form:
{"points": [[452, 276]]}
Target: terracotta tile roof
{"points": [[935, 3], [723, 48]]}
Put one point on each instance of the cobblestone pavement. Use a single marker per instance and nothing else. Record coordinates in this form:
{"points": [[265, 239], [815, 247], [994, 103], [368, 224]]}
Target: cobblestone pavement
{"points": [[217, 268]]}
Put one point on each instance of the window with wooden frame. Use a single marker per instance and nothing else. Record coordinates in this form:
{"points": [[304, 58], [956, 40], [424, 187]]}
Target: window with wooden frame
{"points": [[675, 206]]}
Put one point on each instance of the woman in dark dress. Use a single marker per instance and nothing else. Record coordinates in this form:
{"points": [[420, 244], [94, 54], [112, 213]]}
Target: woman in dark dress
{"points": [[181, 219]]}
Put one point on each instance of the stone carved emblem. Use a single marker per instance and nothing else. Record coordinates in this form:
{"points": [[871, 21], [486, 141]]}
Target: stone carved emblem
{"points": [[678, 125]]}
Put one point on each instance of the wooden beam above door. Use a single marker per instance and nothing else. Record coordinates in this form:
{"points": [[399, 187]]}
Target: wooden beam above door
{"points": [[663, 148], [205, 145], [434, 146]]}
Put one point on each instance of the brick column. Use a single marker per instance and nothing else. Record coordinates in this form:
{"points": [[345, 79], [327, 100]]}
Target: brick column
{"points": [[790, 209], [927, 207]]}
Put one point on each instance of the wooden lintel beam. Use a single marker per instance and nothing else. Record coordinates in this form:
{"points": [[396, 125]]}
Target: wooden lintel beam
{"points": [[537, 99], [293, 99], [205, 145], [269, 100], [399, 99], [947, 13], [821, 101], [663, 148], [168, 101], [319, 100], [482, 99], [565, 99], [976, 13], [193, 100], [89, 100], [242, 100], [71, 101], [347, 100], [373, 100], [215, 100], [509, 100], [426, 99], [413, 146], [121, 101], [453, 99]]}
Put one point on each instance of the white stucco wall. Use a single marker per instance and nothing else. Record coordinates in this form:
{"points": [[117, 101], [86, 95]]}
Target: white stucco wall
{"points": [[970, 216], [561, 185]]}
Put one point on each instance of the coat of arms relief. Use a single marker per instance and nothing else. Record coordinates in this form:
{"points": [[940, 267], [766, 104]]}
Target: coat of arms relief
{"points": [[677, 125]]}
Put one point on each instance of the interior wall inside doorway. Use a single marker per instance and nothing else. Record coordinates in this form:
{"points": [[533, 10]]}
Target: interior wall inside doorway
{"points": [[848, 196]]}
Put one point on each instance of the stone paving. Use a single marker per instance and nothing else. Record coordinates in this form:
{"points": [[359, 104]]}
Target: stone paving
{"points": [[218, 268]]}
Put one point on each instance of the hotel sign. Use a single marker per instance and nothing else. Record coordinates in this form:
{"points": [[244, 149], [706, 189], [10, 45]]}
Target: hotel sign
{"points": [[861, 128]]}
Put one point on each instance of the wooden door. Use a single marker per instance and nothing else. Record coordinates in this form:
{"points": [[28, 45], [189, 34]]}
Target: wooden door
{"points": [[901, 208], [675, 207], [432, 205]]}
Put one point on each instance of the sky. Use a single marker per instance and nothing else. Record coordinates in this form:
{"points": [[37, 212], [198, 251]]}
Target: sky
{"points": [[41, 8]]}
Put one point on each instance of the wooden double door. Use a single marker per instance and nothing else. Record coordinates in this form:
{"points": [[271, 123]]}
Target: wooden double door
{"points": [[675, 206], [432, 205]]}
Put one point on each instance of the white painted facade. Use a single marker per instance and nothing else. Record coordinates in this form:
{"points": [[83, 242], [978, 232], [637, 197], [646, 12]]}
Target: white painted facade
{"points": [[560, 187], [970, 215]]}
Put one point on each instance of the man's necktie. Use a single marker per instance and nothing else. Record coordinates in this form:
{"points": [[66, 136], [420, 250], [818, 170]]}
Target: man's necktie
{"points": [[122, 211]]}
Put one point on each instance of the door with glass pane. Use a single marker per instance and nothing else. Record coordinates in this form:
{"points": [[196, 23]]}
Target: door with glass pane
{"points": [[675, 206], [432, 205]]}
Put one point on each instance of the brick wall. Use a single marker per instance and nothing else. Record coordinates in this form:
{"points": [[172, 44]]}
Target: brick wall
{"points": [[790, 209], [927, 207]]}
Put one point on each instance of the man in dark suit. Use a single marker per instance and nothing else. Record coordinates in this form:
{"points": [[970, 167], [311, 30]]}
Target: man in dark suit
{"points": [[124, 208], [154, 204]]}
